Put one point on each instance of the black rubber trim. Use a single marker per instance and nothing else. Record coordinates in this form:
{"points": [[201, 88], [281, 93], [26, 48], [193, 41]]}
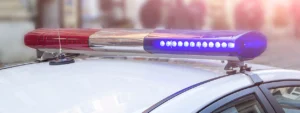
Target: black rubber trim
{"points": [[62, 61], [259, 82], [254, 77], [180, 92], [237, 95], [285, 80], [265, 89], [17, 65]]}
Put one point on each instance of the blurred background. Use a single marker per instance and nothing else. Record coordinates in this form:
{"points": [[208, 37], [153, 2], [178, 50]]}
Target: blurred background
{"points": [[279, 20]]}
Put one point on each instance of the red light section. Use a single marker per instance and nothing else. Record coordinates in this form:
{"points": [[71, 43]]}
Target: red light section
{"points": [[72, 39]]}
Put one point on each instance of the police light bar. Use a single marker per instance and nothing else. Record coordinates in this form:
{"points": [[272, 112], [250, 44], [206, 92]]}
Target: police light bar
{"points": [[220, 45]]}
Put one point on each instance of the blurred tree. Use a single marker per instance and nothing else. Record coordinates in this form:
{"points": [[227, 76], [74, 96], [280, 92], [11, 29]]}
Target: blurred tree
{"points": [[217, 12], [179, 16], [70, 13], [249, 14], [106, 5], [151, 13], [198, 11], [280, 17], [295, 9], [114, 14]]}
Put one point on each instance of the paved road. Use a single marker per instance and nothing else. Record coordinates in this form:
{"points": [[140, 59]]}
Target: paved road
{"points": [[281, 53]]}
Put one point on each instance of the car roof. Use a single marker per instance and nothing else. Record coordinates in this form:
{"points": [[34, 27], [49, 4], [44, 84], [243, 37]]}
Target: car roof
{"points": [[278, 75], [202, 95], [107, 85], [121, 82]]}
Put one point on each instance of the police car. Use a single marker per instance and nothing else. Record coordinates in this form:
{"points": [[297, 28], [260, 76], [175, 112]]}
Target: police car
{"points": [[147, 71]]}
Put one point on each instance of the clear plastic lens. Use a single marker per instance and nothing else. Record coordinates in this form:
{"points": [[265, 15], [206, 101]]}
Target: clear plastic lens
{"points": [[180, 43], [186, 44], [218, 44], [211, 44], [192, 44], [169, 43], [174, 43], [162, 43], [231, 45], [204, 44], [224, 45], [198, 44]]}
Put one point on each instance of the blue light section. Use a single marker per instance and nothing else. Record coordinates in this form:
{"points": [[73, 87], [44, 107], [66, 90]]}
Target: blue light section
{"points": [[242, 45], [191, 46]]}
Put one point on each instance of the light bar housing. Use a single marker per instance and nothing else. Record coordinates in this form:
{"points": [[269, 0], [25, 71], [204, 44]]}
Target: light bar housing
{"points": [[220, 45]]}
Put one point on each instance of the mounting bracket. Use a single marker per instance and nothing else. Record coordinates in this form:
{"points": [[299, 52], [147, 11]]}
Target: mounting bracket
{"points": [[231, 66], [62, 59]]}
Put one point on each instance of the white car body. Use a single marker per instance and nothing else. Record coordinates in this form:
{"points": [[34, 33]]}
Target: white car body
{"points": [[96, 85]]}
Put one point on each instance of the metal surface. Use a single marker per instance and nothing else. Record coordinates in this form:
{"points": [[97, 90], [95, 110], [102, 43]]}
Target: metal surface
{"points": [[278, 75], [119, 41], [139, 53], [93, 85], [199, 97], [179, 93]]}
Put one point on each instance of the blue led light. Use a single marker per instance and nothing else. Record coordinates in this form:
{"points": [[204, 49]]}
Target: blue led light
{"points": [[180, 43], [238, 44], [192, 44], [198, 44], [231, 45], [186, 44], [174, 43], [169, 43], [204, 44], [224, 44], [218, 44], [162, 43], [211, 44]]}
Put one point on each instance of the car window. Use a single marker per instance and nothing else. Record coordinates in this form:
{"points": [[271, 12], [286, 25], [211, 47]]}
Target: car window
{"points": [[288, 98], [247, 104]]}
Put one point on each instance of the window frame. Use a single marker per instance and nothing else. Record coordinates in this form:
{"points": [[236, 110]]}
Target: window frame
{"points": [[277, 84], [223, 101]]}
